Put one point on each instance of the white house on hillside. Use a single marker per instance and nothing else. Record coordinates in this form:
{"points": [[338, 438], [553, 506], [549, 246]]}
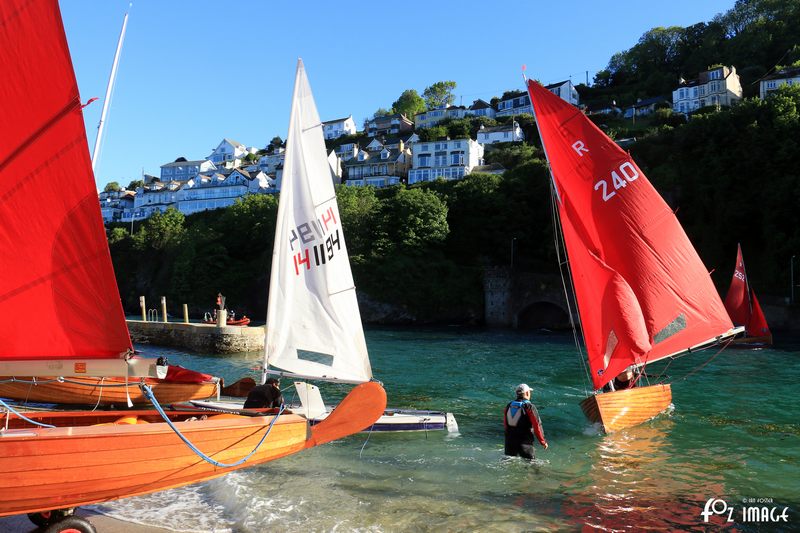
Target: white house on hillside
{"points": [[379, 165], [481, 108], [114, 203], [500, 134], [333, 129], [564, 90], [220, 190], [448, 159], [717, 86], [183, 170], [770, 83], [229, 153], [514, 103]]}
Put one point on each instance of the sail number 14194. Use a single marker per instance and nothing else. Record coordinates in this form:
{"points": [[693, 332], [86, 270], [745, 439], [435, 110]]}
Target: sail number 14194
{"points": [[626, 173]]}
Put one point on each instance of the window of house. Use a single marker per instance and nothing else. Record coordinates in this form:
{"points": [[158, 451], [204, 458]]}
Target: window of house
{"points": [[457, 158], [715, 74], [440, 159], [424, 160]]}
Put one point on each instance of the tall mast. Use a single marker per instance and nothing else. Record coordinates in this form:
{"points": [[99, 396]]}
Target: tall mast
{"points": [[109, 90]]}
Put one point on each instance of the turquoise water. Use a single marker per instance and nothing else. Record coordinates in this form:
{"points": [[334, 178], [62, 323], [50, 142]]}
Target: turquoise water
{"points": [[734, 433]]}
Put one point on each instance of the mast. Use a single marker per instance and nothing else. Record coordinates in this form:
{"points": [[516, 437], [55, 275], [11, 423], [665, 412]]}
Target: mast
{"points": [[109, 90]]}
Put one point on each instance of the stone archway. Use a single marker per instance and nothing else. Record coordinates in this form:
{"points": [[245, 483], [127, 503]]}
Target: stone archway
{"points": [[542, 314]]}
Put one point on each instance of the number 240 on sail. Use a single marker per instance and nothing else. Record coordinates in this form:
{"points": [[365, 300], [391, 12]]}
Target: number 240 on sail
{"points": [[627, 170]]}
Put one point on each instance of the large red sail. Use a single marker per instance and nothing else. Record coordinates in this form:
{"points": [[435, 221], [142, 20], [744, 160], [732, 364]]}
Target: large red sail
{"points": [[58, 294], [643, 293], [742, 304]]}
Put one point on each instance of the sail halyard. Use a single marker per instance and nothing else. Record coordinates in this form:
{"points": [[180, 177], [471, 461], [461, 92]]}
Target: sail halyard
{"points": [[313, 321], [58, 293], [642, 292]]}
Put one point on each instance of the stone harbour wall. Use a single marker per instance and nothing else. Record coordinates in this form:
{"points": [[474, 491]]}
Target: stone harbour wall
{"points": [[203, 338]]}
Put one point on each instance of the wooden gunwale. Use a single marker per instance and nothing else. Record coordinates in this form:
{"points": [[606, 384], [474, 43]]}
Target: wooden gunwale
{"points": [[89, 391]]}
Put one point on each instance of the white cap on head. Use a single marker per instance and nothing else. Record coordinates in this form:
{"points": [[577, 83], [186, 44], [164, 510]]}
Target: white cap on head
{"points": [[522, 388]]}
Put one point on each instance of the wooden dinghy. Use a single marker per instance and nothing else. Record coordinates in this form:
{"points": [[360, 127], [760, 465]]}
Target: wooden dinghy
{"points": [[109, 391], [97, 456], [641, 290], [626, 408]]}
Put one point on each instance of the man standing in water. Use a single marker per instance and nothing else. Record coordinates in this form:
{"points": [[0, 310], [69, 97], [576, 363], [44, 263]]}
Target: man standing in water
{"points": [[521, 421]]}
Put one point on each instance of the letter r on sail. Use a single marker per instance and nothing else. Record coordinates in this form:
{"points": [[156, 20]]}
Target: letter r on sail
{"points": [[579, 147]]}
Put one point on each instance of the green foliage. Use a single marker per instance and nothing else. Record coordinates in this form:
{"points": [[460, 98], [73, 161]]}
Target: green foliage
{"points": [[440, 94], [381, 112], [111, 186], [412, 219], [161, 231], [135, 184], [409, 104]]}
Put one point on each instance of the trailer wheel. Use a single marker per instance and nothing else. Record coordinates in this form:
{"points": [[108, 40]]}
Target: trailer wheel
{"points": [[40, 519], [71, 524]]}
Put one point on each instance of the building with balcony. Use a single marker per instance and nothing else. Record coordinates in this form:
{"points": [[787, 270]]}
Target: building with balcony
{"points": [[718, 86], [449, 159], [378, 165], [183, 170], [388, 125]]}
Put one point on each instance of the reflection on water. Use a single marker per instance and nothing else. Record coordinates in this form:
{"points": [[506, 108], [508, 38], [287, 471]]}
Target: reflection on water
{"points": [[658, 475], [634, 481]]}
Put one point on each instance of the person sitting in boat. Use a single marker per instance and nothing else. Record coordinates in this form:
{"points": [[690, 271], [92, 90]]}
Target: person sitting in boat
{"points": [[624, 380], [266, 395], [521, 422]]}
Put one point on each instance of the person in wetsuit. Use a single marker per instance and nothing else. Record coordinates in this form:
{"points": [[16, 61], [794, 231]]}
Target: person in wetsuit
{"points": [[266, 395], [521, 422]]}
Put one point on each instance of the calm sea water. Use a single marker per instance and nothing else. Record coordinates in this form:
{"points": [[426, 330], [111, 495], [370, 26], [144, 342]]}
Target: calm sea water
{"points": [[734, 434]]}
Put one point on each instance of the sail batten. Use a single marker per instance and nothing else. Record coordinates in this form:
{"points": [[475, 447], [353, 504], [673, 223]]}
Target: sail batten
{"points": [[312, 301], [642, 291]]}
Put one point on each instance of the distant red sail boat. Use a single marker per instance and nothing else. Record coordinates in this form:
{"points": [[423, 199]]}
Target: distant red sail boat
{"points": [[642, 292], [744, 309]]}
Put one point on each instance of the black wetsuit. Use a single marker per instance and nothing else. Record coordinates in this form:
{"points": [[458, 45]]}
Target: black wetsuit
{"points": [[266, 395], [521, 421]]}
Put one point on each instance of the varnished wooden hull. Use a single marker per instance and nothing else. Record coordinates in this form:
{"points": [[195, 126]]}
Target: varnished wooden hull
{"points": [[90, 459], [752, 342], [626, 408], [87, 391]]}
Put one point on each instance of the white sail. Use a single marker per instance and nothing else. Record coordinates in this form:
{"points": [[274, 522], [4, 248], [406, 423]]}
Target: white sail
{"points": [[313, 322]]}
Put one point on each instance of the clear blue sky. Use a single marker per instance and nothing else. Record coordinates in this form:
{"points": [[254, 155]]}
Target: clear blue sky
{"points": [[195, 71]]}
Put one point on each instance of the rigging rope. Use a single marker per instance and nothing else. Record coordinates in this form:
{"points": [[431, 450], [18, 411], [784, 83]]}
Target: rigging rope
{"points": [[560, 245], [148, 393], [11, 410]]}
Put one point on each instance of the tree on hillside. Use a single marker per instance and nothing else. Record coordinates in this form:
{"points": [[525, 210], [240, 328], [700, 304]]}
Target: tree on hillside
{"points": [[409, 103], [381, 112], [135, 184], [440, 94], [161, 231], [413, 219], [111, 186]]}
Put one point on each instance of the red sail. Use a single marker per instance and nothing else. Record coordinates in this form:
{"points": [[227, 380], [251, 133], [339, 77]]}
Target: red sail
{"points": [[742, 304], [58, 294], [643, 293], [737, 301]]}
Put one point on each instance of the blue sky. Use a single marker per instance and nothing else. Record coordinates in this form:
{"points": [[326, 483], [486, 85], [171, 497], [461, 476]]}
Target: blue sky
{"points": [[195, 71]]}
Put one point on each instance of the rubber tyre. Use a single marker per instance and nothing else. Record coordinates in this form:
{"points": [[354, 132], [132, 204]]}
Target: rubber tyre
{"points": [[40, 519], [71, 524]]}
